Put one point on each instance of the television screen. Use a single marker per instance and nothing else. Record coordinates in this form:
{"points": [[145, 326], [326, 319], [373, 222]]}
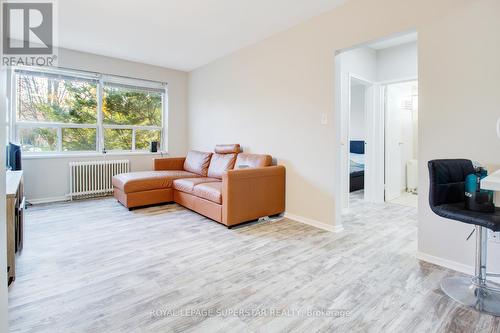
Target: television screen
{"points": [[13, 156]]}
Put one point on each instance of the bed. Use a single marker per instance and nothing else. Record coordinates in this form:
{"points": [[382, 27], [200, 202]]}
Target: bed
{"points": [[356, 165]]}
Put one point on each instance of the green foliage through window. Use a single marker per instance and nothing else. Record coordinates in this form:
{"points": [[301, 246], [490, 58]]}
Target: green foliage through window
{"points": [[43, 99], [143, 138], [79, 139], [47, 106], [131, 107], [118, 139], [38, 139]]}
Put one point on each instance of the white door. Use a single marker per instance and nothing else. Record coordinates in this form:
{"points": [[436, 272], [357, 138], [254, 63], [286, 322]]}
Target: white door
{"points": [[393, 143]]}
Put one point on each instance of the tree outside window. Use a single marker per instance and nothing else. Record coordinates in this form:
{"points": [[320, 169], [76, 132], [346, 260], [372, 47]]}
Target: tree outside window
{"points": [[60, 113]]}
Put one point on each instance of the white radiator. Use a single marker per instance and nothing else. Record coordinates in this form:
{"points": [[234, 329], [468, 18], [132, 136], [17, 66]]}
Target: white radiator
{"points": [[412, 176], [94, 178]]}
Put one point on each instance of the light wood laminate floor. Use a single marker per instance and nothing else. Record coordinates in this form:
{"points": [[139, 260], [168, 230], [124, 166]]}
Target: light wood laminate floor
{"points": [[93, 266]]}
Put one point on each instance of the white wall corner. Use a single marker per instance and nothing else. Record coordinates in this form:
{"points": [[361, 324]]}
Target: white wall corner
{"points": [[314, 223]]}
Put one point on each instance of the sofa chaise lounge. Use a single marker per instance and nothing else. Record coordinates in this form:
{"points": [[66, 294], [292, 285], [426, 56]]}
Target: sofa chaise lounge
{"points": [[227, 186]]}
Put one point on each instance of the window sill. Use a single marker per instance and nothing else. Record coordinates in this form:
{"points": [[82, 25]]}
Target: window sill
{"points": [[27, 156]]}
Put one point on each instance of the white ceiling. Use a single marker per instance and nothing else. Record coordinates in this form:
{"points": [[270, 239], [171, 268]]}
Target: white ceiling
{"points": [[180, 34]]}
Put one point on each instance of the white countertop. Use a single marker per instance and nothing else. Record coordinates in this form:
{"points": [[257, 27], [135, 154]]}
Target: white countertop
{"points": [[491, 182]]}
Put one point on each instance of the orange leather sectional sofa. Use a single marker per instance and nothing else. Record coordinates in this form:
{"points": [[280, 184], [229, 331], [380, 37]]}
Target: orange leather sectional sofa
{"points": [[227, 186]]}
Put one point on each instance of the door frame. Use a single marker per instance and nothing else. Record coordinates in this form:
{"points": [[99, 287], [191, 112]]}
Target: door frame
{"points": [[368, 84], [374, 143]]}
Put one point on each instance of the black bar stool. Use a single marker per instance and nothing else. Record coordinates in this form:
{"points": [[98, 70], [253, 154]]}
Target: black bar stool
{"points": [[447, 199]]}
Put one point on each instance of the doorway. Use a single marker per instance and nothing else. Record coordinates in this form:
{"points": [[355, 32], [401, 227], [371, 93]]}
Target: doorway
{"points": [[377, 97], [401, 143], [358, 110]]}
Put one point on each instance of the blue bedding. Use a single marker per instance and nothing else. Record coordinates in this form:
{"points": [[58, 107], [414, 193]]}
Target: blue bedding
{"points": [[357, 162]]}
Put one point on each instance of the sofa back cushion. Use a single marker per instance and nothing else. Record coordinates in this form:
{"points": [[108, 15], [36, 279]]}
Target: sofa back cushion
{"points": [[252, 161], [220, 163], [197, 162], [227, 149]]}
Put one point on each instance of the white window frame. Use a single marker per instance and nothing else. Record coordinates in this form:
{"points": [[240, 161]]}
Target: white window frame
{"points": [[101, 79]]}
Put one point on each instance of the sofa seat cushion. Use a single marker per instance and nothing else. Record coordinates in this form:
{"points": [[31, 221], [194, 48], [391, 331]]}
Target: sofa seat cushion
{"points": [[209, 191], [187, 185], [148, 180]]}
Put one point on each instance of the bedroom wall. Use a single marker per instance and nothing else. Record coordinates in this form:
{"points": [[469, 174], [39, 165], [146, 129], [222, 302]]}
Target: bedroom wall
{"points": [[357, 129], [271, 97], [46, 178]]}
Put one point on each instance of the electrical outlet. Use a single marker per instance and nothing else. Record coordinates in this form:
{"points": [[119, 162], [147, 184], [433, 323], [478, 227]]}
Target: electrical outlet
{"points": [[494, 236]]}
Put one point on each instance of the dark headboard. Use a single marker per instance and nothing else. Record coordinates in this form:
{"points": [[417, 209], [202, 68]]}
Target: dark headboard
{"points": [[357, 147]]}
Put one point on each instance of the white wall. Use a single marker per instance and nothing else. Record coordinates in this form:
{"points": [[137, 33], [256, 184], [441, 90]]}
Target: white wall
{"points": [[357, 123], [47, 178], [3, 224], [397, 63], [270, 97], [459, 106]]}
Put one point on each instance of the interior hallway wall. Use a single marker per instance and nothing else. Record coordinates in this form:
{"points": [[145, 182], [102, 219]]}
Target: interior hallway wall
{"points": [[397, 63]]}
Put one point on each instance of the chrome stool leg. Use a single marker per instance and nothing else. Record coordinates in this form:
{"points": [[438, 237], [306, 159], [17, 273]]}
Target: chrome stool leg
{"points": [[476, 292]]}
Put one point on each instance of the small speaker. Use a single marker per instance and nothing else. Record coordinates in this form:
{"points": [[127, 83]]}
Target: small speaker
{"points": [[154, 146]]}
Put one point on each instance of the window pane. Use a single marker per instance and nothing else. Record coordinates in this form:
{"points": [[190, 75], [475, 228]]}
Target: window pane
{"points": [[143, 139], [38, 139], [125, 106], [79, 139], [57, 100], [118, 139]]}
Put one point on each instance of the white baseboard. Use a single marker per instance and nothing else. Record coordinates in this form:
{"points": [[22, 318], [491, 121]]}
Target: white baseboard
{"points": [[47, 200], [314, 223], [453, 265], [456, 266]]}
